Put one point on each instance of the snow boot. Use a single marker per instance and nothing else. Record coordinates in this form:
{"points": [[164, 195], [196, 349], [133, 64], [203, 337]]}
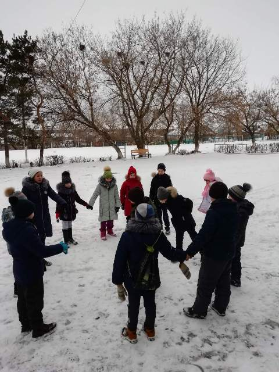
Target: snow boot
{"points": [[236, 282], [66, 236], [103, 235], [188, 311], [43, 329], [71, 239], [220, 313], [26, 328], [150, 333], [128, 335], [111, 233], [167, 231]]}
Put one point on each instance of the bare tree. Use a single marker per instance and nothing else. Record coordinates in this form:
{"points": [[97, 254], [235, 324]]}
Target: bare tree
{"points": [[270, 106]]}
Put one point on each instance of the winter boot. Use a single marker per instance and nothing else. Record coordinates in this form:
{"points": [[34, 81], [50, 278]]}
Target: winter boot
{"points": [[167, 231], [103, 235], [66, 236], [188, 311], [26, 328], [220, 313], [71, 240], [236, 282], [150, 333], [43, 329], [111, 233], [130, 336]]}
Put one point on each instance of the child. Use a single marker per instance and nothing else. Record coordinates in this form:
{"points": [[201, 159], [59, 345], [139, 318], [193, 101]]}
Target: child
{"points": [[160, 179], [109, 202], [216, 239], [67, 190], [209, 179], [142, 236], [28, 251], [132, 181], [136, 197], [245, 209], [37, 189], [181, 211]]}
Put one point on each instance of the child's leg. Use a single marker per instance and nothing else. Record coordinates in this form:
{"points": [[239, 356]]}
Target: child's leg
{"points": [[150, 309], [103, 229], [22, 307], [110, 228], [65, 231], [70, 232], [34, 297], [133, 309], [236, 265], [179, 238], [223, 289], [166, 217]]}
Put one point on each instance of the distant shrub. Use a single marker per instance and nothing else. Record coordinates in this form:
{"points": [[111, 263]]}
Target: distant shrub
{"points": [[81, 159]]}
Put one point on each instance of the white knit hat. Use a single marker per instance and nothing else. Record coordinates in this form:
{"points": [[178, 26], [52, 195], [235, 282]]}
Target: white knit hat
{"points": [[33, 172]]}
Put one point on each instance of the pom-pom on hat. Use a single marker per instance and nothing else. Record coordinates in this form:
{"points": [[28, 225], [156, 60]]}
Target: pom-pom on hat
{"points": [[218, 190], [10, 191], [161, 166], [66, 177], [209, 175], [107, 172], [238, 192], [21, 208], [32, 173], [162, 193], [144, 212], [136, 195]]}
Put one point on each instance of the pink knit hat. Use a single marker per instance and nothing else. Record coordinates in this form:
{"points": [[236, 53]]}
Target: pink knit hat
{"points": [[209, 175]]}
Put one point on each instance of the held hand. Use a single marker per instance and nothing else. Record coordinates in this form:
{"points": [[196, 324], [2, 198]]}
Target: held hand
{"points": [[188, 257], [122, 293], [65, 247], [185, 270], [117, 209], [89, 207], [57, 216]]}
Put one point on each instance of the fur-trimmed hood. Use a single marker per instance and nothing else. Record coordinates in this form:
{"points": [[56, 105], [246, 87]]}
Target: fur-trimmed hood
{"points": [[60, 187], [136, 178], [150, 226], [29, 183], [172, 191], [153, 174], [104, 183]]}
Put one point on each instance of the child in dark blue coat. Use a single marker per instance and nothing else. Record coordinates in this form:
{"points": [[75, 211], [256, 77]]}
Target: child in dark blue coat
{"points": [[28, 252], [142, 233]]}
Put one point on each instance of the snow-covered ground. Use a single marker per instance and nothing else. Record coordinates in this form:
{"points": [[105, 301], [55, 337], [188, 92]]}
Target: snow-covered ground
{"points": [[79, 294]]}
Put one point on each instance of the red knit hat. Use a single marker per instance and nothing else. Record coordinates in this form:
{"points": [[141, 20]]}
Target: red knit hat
{"points": [[209, 175], [132, 170]]}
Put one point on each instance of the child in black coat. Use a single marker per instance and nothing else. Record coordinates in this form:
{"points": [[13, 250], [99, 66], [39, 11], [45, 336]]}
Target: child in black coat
{"points": [[181, 211], [67, 213], [245, 209]]}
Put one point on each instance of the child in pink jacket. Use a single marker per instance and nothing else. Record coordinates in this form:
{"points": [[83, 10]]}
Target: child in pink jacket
{"points": [[209, 178]]}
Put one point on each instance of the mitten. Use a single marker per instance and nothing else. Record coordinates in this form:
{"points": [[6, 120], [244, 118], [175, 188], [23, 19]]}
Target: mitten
{"points": [[89, 207], [117, 209], [122, 207], [65, 247], [57, 215], [122, 293], [185, 270]]}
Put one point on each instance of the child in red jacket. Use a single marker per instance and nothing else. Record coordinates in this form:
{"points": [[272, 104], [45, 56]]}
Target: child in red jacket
{"points": [[132, 181]]}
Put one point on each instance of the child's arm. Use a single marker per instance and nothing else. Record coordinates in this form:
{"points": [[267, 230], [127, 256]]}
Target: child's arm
{"points": [[123, 193], [169, 252], [55, 197], [120, 260], [95, 195], [116, 197], [79, 200]]}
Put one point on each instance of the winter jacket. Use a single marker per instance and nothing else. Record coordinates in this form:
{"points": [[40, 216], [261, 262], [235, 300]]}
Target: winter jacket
{"points": [[27, 250], [109, 199], [157, 181], [39, 194], [68, 212], [132, 249], [180, 209], [245, 209], [127, 185], [217, 236]]}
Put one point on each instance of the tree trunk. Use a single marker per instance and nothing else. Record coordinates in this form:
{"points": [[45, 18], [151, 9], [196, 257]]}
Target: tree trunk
{"points": [[197, 134], [41, 159], [117, 149], [167, 142], [6, 145], [24, 134]]}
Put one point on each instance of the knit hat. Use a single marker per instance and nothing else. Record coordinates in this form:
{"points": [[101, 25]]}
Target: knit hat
{"points": [[107, 172], [144, 212], [21, 208], [161, 166], [10, 191], [209, 175], [132, 170], [32, 173], [136, 195], [66, 177], [238, 192], [162, 193], [218, 190]]}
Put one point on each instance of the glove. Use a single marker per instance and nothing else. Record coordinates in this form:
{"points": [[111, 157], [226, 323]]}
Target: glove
{"points": [[122, 207], [65, 247], [185, 270], [117, 209], [89, 207], [57, 215], [122, 293]]}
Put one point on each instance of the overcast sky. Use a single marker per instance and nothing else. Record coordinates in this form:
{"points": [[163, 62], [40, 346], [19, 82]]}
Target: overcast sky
{"points": [[254, 23]]}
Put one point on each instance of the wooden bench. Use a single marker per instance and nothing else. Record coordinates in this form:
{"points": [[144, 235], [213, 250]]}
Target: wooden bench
{"points": [[140, 153]]}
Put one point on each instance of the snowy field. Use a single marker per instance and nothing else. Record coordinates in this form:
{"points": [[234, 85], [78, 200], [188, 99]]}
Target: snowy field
{"points": [[80, 297]]}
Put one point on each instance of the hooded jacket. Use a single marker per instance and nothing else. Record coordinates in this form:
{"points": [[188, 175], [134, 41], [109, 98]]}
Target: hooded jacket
{"points": [[27, 250], [245, 209], [158, 180], [132, 249], [68, 212], [127, 185], [39, 194], [109, 199]]}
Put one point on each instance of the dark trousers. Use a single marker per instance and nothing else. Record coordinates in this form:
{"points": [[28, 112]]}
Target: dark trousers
{"points": [[106, 225], [30, 304], [133, 308], [213, 275], [163, 211], [236, 265], [180, 235]]}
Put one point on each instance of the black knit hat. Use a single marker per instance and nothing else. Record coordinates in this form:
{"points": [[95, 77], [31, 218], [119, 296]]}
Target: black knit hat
{"points": [[218, 190], [22, 208], [136, 195], [161, 166], [66, 177], [238, 192]]}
